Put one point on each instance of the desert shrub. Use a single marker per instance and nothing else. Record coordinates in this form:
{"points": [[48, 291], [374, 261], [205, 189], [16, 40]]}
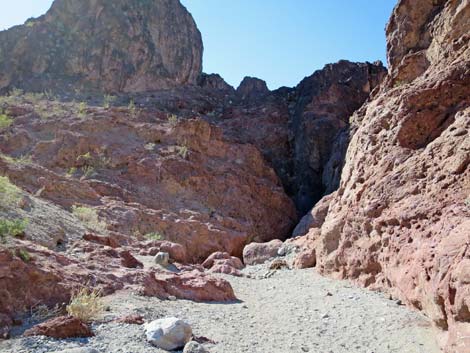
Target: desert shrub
{"points": [[10, 194], [182, 151], [12, 228], [42, 312], [82, 109], [150, 146], [23, 255], [89, 217], [173, 120], [71, 172], [86, 305], [5, 121], [154, 236], [108, 100], [21, 160]]}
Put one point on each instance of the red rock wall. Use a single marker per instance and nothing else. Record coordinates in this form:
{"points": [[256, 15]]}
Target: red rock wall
{"points": [[400, 220]]}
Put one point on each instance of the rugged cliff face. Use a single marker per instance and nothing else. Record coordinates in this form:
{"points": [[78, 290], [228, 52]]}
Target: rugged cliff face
{"points": [[303, 131], [116, 46], [400, 220]]}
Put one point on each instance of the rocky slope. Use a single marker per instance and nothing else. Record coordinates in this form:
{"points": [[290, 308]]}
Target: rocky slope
{"points": [[400, 220], [146, 173], [116, 46]]}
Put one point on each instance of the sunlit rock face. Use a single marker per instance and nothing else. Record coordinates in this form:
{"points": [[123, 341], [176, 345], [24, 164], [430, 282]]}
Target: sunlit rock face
{"points": [[400, 218], [110, 45]]}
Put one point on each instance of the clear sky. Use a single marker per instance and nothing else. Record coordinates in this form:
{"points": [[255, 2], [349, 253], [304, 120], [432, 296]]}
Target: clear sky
{"points": [[280, 41]]}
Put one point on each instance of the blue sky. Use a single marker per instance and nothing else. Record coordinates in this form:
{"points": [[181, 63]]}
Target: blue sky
{"points": [[280, 41]]}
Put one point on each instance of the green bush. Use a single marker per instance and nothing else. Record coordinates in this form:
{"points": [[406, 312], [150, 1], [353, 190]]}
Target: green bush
{"points": [[12, 228], [10, 194], [5, 121], [154, 236], [23, 255]]}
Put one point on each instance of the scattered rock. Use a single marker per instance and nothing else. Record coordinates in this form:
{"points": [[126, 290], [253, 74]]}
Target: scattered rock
{"points": [[194, 347], [61, 327], [278, 264], [129, 261], [78, 350], [168, 333], [133, 319], [258, 253], [162, 259]]}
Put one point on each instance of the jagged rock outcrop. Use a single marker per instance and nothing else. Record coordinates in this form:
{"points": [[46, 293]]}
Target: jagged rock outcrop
{"points": [[323, 104], [214, 82], [400, 220], [252, 87], [110, 45], [303, 132]]}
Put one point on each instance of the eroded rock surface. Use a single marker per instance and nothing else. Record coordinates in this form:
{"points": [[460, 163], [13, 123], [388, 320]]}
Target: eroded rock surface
{"points": [[178, 180], [116, 46], [400, 219]]}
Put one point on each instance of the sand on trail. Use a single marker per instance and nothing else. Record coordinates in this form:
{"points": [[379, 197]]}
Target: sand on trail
{"points": [[292, 311]]}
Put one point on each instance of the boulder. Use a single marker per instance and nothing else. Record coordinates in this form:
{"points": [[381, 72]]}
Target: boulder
{"points": [[222, 262], [61, 327], [222, 257], [162, 259], [168, 333], [193, 285], [128, 260], [258, 253]]}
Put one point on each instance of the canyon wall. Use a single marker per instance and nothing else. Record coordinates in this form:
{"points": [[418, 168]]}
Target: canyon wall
{"points": [[400, 220]]}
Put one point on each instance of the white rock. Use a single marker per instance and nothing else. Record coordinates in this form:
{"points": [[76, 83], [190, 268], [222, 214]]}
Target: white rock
{"points": [[194, 347], [168, 333], [162, 258], [282, 251]]}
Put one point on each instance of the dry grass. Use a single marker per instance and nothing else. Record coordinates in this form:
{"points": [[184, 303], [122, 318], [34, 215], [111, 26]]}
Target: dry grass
{"points": [[10, 194], [86, 305], [43, 312], [89, 217]]}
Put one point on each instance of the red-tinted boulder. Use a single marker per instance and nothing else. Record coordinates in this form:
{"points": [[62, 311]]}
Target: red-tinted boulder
{"points": [[61, 327], [193, 285], [129, 261]]}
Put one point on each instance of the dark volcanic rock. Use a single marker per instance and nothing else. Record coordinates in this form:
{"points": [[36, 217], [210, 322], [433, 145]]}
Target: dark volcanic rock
{"points": [[303, 132], [319, 125], [252, 87], [111, 45], [214, 82]]}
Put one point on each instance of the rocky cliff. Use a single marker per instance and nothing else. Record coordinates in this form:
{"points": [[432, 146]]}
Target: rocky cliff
{"points": [[303, 131], [400, 220], [116, 46]]}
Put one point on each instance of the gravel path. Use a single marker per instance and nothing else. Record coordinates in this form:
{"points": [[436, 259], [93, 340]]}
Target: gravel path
{"points": [[292, 311]]}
